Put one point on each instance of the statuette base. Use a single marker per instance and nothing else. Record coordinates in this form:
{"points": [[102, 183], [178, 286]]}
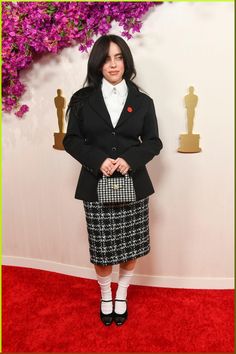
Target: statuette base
{"points": [[189, 143]]}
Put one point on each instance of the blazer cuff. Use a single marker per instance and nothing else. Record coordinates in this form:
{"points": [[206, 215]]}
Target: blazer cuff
{"points": [[95, 162]]}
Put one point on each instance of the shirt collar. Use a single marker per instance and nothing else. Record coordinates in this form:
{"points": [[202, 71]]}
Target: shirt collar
{"points": [[107, 88]]}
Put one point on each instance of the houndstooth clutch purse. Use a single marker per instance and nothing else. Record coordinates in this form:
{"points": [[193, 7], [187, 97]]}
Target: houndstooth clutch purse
{"points": [[116, 189]]}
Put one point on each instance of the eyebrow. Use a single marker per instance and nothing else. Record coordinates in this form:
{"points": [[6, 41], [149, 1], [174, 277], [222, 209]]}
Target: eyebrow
{"points": [[116, 55]]}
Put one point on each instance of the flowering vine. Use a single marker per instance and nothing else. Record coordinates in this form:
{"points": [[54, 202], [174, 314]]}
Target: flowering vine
{"points": [[30, 29]]}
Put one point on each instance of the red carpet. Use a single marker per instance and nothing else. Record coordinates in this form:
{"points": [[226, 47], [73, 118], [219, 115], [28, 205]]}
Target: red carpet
{"points": [[49, 312]]}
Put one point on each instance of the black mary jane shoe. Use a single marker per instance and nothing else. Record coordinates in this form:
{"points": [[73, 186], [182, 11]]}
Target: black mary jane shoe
{"points": [[106, 319], [121, 318]]}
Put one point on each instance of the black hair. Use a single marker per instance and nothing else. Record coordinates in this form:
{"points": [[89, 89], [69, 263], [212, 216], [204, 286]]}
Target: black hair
{"points": [[98, 57]]}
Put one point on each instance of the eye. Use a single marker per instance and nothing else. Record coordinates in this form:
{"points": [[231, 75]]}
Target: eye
{"points": [[107, 60]]}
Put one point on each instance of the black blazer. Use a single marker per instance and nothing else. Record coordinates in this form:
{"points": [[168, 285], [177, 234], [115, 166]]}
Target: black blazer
{"points": [[91, 138]]}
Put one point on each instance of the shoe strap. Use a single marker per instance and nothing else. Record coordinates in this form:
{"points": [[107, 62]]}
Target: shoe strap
{"points": [[121, 300]]}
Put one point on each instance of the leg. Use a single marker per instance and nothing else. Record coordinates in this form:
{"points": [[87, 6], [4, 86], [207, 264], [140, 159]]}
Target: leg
{"points": [[130, 265], [190, 122], [104, 274], [103, 271], [125, 276]]}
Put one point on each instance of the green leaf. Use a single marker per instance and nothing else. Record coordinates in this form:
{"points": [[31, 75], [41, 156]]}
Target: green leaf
{"points": [[89, 33], [22, 16], [51, 9], [80, 25], [14, 47]]}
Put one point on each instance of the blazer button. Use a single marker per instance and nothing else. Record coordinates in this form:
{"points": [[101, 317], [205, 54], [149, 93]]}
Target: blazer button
{"points": [[114, 148], [113, 133]]}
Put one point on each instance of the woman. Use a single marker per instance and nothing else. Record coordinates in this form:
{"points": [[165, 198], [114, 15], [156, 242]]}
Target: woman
{"points": [[112, 131]]}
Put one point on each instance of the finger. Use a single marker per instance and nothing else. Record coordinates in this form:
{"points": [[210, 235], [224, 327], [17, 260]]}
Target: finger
{"points": [[110, 169], [117, 164], [106, 174], [106, 170], [112, 160], [125, 170], [122, 168], [114, 168]]}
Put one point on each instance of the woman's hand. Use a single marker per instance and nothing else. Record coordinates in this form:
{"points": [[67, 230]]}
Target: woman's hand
{"points": [[108, 167], [122, 166]]}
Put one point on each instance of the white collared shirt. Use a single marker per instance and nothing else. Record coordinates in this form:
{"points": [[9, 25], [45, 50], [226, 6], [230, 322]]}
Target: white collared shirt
{"points": [[114, 97]]}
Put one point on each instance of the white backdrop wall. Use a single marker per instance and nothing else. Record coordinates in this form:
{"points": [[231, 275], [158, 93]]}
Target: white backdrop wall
{"points": [[191, 214]]}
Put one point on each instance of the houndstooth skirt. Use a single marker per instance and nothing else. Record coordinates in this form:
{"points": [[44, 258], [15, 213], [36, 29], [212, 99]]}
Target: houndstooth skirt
{"points": [[117, 232]]}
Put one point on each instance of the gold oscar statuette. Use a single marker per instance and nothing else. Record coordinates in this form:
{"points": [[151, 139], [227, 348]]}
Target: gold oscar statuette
{"points": [[189, 142], [60, 104]]}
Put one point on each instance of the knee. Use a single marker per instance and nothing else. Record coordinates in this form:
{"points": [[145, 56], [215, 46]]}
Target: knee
{"points": [[103, 271], [129, 265]]}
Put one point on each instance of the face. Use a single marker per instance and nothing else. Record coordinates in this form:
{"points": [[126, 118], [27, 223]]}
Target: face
{"points": [[113, 68]]}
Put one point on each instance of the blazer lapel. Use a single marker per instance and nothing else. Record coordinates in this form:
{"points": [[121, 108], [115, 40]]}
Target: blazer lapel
{"points": [[131, 105], [97, 102]]}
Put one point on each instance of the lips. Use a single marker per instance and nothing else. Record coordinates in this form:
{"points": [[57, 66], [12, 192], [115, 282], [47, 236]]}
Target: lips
{"points": [[114, 72]]}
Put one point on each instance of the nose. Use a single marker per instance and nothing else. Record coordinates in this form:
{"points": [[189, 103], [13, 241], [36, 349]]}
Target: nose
{"points": [[113, 63]]}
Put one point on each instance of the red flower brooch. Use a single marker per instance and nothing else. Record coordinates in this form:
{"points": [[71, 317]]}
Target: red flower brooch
{"points": [[130, 109]]}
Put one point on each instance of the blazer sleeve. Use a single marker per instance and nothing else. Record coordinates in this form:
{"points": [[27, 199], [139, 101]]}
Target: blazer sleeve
{"points": [[75, 144], [151, 145]]}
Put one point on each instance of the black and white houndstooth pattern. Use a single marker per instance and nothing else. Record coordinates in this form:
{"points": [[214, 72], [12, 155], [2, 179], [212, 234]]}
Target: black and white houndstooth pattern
{"points": [[116, 189], [117, 232]]}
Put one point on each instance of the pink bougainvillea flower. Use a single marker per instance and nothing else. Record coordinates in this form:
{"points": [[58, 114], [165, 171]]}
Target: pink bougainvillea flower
{"points": [[30, 29], [23, 109]]}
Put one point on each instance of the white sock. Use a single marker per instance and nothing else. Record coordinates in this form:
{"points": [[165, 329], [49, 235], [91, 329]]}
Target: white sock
{"points": [[121, 293], [105, 284]]}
